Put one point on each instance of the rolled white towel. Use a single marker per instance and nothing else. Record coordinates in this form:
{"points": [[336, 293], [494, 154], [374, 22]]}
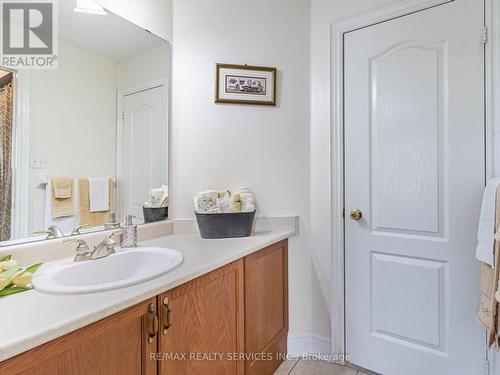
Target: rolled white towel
{"points": [[242, 190], [247, 202], [235, 203], [206, 201], [223, 204]]}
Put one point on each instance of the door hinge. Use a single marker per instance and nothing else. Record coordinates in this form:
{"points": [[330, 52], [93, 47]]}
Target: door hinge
{"points": [[123, 115], [486, 367], [485, 35], [343, 213]]}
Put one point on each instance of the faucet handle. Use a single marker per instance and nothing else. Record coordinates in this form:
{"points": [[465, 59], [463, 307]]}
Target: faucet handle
{"points": [[52, 232], [82, 249], [81, 244], [110, 243], [76, 230], [110, 235]]}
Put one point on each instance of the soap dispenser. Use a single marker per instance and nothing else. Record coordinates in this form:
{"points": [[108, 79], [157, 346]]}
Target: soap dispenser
{"points": [[129, 234], [111, 223]]}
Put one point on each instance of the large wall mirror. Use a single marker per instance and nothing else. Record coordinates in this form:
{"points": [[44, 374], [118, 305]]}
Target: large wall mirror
{"points": [[89, 138]]}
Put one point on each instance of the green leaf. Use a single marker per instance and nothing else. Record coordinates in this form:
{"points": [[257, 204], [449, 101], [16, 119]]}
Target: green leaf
{"points": [[12, 290], [33, 268], [5, 258]]}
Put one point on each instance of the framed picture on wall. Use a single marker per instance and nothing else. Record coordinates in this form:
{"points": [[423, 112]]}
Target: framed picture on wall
{"points": [[244, 84]]}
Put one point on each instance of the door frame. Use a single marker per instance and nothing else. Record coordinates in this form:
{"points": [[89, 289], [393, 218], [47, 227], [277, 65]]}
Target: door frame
{"points": [[122, 93], [21, 160], [337, 31]]}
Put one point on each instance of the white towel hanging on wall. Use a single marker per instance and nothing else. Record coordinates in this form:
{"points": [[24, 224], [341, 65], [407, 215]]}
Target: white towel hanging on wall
{"points": [[99, 194], [486, 229]]}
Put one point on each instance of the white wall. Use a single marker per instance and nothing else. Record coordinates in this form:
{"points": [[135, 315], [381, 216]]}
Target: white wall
{"points": [[145, 67], [152, 15], [226, 146], [73, 114], [73, 111]]}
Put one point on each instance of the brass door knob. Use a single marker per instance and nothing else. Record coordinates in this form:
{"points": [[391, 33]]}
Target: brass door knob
{"points": [[356, 214]]}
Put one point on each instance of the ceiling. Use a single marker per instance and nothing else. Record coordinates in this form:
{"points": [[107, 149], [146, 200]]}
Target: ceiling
{"points": [[109, 35]]}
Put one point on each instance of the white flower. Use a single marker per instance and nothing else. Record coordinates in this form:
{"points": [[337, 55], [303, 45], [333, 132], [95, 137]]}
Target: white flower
{"points": [[7, 265]]}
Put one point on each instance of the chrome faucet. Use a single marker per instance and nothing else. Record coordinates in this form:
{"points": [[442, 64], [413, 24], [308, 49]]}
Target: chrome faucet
{"points": [[52, 232], [76, 230], [106, 247], [82, 250]]}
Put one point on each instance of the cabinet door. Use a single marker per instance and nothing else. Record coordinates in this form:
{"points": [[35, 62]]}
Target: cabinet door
{"points": [[201, 325], [266, 308], [120, 344]]}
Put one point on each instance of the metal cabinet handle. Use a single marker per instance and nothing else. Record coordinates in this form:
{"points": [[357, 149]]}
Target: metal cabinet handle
{"points": [[166, 324], [152, 335]]}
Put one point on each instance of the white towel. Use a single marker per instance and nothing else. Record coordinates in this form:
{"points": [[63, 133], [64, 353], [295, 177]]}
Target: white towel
{"points": [[486, 228], [66, 224], [206, 201], [99, 194], [247, 202], [247, 199], [223, 205]]}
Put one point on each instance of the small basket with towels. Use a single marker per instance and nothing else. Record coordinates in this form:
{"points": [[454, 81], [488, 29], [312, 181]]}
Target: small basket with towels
{"points": [[220, 214], [156, 208]]}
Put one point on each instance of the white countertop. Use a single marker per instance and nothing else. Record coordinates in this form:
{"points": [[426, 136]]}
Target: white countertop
{"points": [[30, 319]]}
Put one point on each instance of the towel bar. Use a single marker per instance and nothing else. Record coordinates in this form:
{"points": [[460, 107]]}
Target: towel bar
{"points": [[42, 181]]}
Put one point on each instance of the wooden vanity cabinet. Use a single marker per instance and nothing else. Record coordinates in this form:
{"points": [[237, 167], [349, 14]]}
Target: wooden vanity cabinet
{"points": [[120, 344], [202, 324], [266, 308], [238, 312], [231, 321]]}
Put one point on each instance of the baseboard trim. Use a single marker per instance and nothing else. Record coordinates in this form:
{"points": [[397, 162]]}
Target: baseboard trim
{"points": [[306, 344]]}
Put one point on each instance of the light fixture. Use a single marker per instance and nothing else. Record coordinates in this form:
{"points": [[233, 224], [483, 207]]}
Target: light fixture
{"points": [[88, 6]]}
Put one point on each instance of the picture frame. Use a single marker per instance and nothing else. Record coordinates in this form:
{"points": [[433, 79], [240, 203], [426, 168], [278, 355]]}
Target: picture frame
{"points": [[245, 84]]}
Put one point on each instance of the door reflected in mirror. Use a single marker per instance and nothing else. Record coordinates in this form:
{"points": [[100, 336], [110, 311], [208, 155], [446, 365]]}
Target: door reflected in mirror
{"points": [[89, 139]]}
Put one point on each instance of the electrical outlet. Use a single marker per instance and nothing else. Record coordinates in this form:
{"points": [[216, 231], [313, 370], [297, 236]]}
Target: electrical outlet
{"points": [[38, 162]]}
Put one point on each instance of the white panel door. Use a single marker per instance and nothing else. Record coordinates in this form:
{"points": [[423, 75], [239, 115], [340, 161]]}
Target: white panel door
{"points": [[144, 147], [414, 167]]}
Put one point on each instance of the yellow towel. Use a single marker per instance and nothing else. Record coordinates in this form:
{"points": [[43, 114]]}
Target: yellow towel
{"points": [[62, 197], [95, 219], [63, 187], [224, 194], [487, 315], [235, 203]]}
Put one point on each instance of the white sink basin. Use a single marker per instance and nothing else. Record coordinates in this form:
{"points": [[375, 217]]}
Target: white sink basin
{"points": [[124, 268]]}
